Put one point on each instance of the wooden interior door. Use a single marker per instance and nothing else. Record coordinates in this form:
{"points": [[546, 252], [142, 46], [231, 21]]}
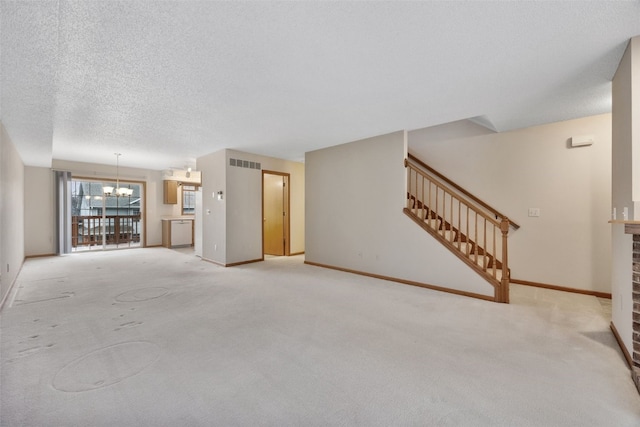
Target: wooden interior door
{"points": [[275, 207]]}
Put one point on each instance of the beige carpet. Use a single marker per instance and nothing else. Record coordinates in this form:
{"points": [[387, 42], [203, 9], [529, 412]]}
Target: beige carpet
{"points": [[154, 337]]}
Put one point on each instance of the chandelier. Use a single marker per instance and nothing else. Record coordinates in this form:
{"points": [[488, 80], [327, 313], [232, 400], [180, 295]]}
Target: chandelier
{"points": [[119, 191]]}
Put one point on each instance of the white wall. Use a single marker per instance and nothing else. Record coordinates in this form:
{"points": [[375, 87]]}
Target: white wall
{"points": [[569, 244], [214, 218], [235, 223], [354, 220], [246, 211], [153, 206], [625, 185], [11, 212], [39, 211]]}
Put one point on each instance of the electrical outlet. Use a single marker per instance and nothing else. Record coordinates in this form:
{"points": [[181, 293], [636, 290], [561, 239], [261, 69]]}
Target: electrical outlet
{"points": [[534, 212]]}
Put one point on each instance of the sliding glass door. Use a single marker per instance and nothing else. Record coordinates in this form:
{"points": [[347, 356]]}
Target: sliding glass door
{"points": [[108, 220]]}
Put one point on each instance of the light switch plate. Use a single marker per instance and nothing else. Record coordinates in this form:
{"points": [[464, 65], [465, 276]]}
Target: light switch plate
{"points": [[534, 212]]}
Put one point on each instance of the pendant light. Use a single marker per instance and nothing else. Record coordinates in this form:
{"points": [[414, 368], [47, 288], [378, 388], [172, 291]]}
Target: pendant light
{"points": [[120, 191]]}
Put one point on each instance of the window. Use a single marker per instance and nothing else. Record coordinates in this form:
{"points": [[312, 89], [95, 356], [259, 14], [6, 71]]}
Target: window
{"points": [[188, 200], [102, 220]]}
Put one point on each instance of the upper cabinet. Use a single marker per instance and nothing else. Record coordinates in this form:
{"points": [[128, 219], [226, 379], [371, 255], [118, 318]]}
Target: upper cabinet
{"points": [[174, 178], [171, 192]]}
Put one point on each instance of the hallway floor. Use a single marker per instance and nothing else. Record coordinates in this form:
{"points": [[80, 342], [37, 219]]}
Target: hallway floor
{"points": [[158, 337]]}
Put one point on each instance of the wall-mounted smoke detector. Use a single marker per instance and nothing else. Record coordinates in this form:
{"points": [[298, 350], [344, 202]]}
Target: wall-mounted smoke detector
{"points": [[582, 140]]}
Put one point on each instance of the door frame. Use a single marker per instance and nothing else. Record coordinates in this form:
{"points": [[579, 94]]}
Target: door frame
{"points": [[143, 201], [287, 207]]}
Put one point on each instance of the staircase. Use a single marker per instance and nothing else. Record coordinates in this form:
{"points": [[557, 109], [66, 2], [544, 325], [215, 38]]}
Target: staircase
{"points": [[468, 227]]}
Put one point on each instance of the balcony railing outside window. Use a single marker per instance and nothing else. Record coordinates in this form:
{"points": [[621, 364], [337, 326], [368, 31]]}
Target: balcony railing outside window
{"points": [[118, 229], [102, 220]]}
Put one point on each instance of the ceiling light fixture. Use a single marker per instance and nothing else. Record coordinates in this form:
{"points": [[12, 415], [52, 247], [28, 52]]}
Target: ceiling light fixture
{"points": [[120, 191]]}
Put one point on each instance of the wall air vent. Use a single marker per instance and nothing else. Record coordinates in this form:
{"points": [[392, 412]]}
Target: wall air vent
{"points": [[244, 164]]}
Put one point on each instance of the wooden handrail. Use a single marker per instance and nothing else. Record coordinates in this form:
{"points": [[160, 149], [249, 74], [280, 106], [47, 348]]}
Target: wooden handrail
{"points": [[458, 188], [462, 225], [460, 198]]}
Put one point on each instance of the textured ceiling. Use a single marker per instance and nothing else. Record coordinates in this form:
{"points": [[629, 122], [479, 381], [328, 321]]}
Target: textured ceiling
{"points": [[166, 82]]}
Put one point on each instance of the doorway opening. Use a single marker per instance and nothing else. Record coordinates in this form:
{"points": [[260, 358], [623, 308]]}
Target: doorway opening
{"points": [[275, 213], [102, 220]]}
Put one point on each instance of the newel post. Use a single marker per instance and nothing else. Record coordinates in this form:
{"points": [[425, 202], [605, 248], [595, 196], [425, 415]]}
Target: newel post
{"points": [[504, 286], [406, 165]]}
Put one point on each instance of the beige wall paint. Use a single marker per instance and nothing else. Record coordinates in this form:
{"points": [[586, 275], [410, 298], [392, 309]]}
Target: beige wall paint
{"points": [[622, 124], [253, 185], [235, 223], [39, 211], [354, 219], [154, 207], [244, 210], [634, 48], [214, 218], [625, 184], [11, 213], [569, 244]]}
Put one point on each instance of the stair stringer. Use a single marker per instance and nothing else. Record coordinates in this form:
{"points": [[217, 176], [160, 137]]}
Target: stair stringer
{"points": [[426, 262], [493, 281]]}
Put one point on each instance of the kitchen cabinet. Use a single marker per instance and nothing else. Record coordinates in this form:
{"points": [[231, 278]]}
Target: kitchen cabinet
{"points": [[170, 192], [177, 232]]}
